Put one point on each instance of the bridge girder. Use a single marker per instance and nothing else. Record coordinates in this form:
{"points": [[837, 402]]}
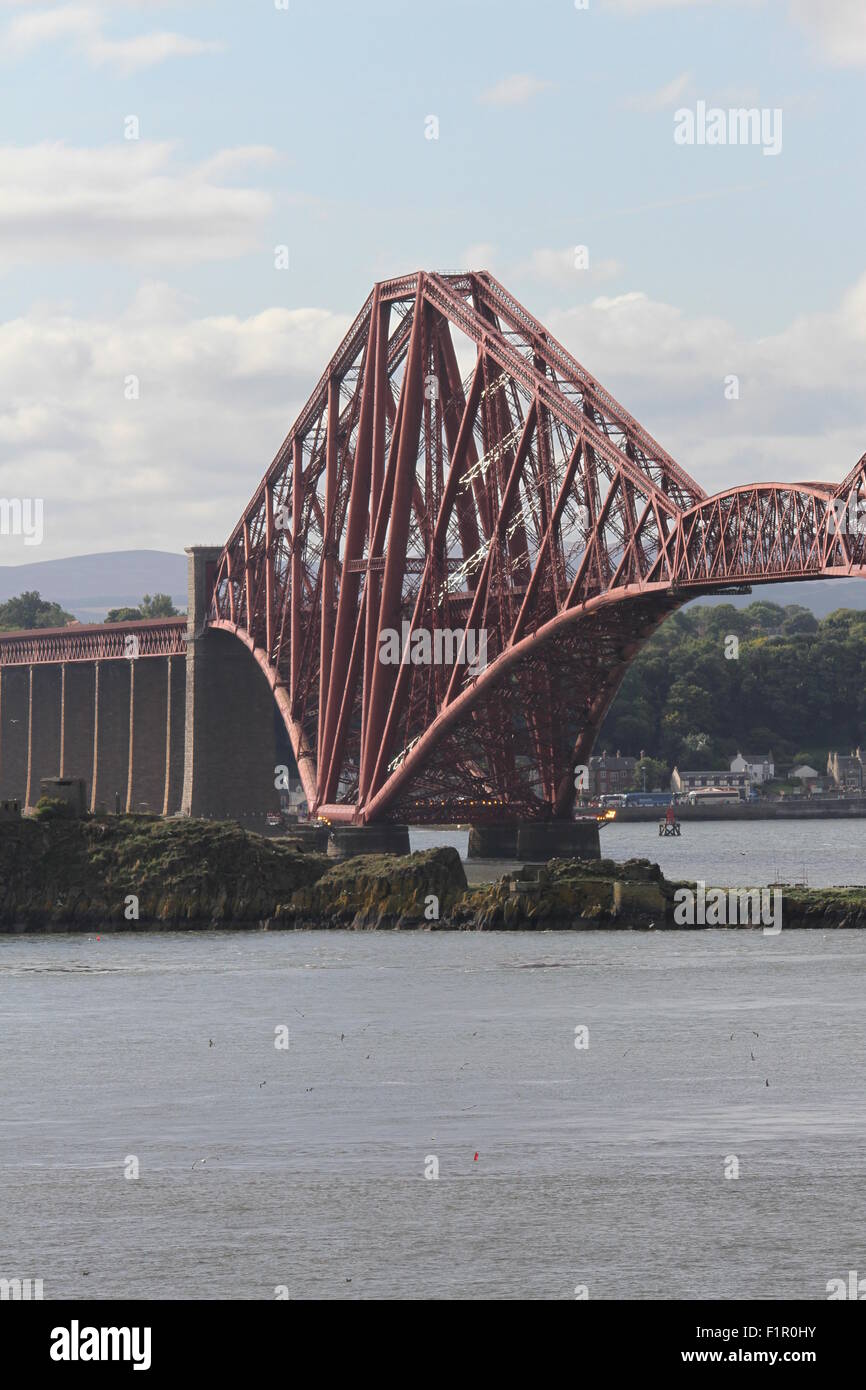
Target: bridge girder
{"points": [[457, 472]]}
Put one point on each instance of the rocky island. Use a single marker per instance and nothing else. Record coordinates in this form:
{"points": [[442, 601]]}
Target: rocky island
{"points": [[129, 873]]}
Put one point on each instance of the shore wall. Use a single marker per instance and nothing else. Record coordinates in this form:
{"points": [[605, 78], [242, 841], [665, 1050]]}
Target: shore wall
{"points": [[815, 809]]}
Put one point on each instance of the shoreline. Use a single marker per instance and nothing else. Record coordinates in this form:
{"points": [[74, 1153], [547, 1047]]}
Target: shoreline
{"points": [[552, 928], [142, 874], [815, 809]]}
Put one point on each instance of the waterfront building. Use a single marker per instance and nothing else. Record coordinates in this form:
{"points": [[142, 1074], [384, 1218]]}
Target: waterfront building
{"points": [[846, 770], [809, 776], [712, 779], [759, 766], [611, 774]]}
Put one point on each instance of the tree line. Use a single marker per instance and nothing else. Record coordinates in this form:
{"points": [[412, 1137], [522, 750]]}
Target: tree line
{"points": [[791, 683], [31, 610]]}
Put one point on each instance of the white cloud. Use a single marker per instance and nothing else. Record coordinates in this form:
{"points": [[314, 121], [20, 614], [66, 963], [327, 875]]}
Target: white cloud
{"points": [[84, 26], [46, 26], [217, 396], [129, 201], [838, 25], [558, 267], [662, 97], [555, 266], [147, 50], [482, 256], [800, 413], [515, 90]]}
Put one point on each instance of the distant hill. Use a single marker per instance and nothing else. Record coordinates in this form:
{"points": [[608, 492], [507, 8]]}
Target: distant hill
{"points": [[88, 585], [819, 595]]}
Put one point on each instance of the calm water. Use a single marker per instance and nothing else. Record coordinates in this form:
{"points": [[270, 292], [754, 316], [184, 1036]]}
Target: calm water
{"points": [[601, 1166], [734, 854]]}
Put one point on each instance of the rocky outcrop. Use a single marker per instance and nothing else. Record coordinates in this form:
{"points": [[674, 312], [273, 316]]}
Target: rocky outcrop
{"points": [[59, 874], [382, 891], [141, 872], [568, 894], [824, 908], [132, 872]]}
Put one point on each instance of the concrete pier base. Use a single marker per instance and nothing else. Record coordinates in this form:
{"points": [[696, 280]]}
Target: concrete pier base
{"points": [[538, 841], [230, 758], [349, 840], [44, 707], [72, 790], [495, 841], [535, 841], [312, 837], [14, 725]]}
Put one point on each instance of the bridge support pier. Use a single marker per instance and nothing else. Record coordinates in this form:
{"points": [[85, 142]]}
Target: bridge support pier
{"points": [[349, 840], [113, 699], [535, 841], [45, 714], [495, 840], [76, 722], [230, 746], [14, 717]]}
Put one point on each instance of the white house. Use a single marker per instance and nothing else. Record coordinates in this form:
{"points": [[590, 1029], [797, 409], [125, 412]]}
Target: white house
{"points": [[804, 773], [710, 779], [759, 766]]}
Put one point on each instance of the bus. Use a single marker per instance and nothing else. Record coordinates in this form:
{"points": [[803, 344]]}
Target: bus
{"points": [[716, 796], [650, 798]]}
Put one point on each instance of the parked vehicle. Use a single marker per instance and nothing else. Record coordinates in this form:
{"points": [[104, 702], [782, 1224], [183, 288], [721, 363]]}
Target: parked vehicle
{"points": [[715, 796], [649, 798]]}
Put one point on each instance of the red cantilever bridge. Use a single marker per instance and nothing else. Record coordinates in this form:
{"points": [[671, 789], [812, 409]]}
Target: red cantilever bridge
{"points": [[457, 472]]}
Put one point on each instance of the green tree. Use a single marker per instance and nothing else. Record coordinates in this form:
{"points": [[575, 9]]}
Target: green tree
{"points": [[766, 616], [30, 610], [160, 606], [795, 683], [151, 606], [124, 615], [798, 619], [809, 757], [652, 775]]}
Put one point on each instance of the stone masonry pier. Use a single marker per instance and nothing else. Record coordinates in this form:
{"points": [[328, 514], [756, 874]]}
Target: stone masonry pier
{"points": [[158, 716]]}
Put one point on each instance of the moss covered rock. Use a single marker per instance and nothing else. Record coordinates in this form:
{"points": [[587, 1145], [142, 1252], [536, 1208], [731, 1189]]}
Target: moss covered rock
{"points": [[383, 891], [68, 873], [568, 894], [58, 873]]}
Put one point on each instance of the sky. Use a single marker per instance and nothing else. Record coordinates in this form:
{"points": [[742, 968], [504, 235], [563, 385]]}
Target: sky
{"points": [[154, 350]]}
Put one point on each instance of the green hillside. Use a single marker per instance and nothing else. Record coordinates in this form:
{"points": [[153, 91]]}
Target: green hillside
{"points": [[797, 686]]}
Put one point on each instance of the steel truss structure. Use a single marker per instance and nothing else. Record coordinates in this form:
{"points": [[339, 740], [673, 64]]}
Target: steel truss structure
{"points": [[457, 472], [96, 642]]}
